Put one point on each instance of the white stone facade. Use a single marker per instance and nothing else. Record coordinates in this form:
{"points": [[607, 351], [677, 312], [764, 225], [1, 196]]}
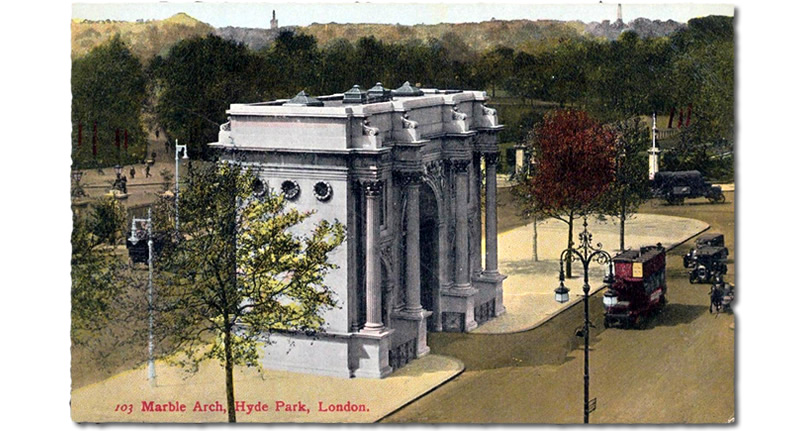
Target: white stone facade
{"points": [[401, 174]]}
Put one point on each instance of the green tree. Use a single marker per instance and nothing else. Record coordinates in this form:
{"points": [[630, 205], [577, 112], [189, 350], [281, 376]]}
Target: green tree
{"points": [[241, 269], [494, 67], [93, 291], [109, 92], [703, 80], [109, 220], [106, 307], [530, 77], [373, 61], [294, 63], [568, 80], [196, 83], [338, 69], [630, 186]]}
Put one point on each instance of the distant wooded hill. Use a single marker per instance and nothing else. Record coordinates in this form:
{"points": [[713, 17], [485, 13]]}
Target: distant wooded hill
{"points": [[149, 38], [145, 38]]}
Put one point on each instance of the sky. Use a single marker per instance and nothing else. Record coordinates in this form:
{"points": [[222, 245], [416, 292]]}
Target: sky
{"points": [[257, 14]]}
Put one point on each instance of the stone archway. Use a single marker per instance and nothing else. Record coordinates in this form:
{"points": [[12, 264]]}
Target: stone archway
{"points": [[429, 252]]}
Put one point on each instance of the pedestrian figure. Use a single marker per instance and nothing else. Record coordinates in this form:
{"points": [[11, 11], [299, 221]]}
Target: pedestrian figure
{"points": [[147, 172], [157, 133], [132, 172], [168, 147], [154, 156], [124, 184]]}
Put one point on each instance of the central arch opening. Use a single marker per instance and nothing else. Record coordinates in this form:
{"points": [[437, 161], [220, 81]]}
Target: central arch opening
{"points": [[429, 251]]}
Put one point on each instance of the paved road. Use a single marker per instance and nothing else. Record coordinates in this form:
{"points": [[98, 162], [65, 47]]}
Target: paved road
{"points": [[680, 368]]}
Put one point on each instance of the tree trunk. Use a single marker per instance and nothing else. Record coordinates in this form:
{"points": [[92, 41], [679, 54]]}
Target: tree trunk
{"points": [[534, 241], [622, 218], [570, 244], [229, 376]]}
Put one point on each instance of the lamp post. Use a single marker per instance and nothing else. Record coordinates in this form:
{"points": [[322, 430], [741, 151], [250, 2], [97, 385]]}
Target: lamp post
{"points": [[134, 240], [177, 149], [585, 253]]}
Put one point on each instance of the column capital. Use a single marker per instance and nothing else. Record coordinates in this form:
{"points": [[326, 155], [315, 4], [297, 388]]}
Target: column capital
{"points": [[459, 166], [371, 187]]}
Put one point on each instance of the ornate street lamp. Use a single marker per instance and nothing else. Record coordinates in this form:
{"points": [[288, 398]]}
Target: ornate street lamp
{"points": [[134, 240], [118, 169], [177, 149], [611, 298], [585, 253]]}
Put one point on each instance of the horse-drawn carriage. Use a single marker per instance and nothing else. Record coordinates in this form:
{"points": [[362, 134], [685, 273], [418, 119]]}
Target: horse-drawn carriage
{"points": [[640, 287], [721, 295], [708, 259]]}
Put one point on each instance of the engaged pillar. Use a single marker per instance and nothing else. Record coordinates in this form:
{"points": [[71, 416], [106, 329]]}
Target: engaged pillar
{"points": [[475, 204], [372, 191], [462, 225], [492, 215], [413, 274]]}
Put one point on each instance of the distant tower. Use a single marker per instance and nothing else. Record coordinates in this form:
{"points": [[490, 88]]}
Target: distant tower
{"points": [[619, 15], [274, 21]]}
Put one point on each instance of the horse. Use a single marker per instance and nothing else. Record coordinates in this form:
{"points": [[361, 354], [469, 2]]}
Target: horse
{"points": [[721, 296]]}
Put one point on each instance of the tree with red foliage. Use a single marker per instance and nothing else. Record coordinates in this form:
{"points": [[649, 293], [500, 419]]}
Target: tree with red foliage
{"points": [[573, 167]]}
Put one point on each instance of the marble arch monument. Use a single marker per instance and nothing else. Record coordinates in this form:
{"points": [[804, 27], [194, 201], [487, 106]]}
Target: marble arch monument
{"points": [[400, 168]]}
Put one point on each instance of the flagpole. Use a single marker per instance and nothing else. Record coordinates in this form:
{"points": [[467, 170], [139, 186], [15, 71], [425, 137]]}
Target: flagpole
{"points": [[654, 151]]}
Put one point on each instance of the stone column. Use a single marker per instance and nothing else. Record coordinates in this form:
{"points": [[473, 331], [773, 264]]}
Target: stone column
{"points": [[352, 230], [444, 282], [374, 323], [412, 182], [475, 203], [492, 215], [462, 224]]}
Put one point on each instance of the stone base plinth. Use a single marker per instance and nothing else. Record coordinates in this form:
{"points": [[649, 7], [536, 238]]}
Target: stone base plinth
{"points": [[370, 354], [411, 327], [491, 286], [357, 354], [458, 309]]}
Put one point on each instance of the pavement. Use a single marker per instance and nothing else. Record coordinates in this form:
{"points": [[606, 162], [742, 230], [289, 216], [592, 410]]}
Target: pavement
{"points": [[528, 292], [528, 297], [288, 397], [141, 190]]}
